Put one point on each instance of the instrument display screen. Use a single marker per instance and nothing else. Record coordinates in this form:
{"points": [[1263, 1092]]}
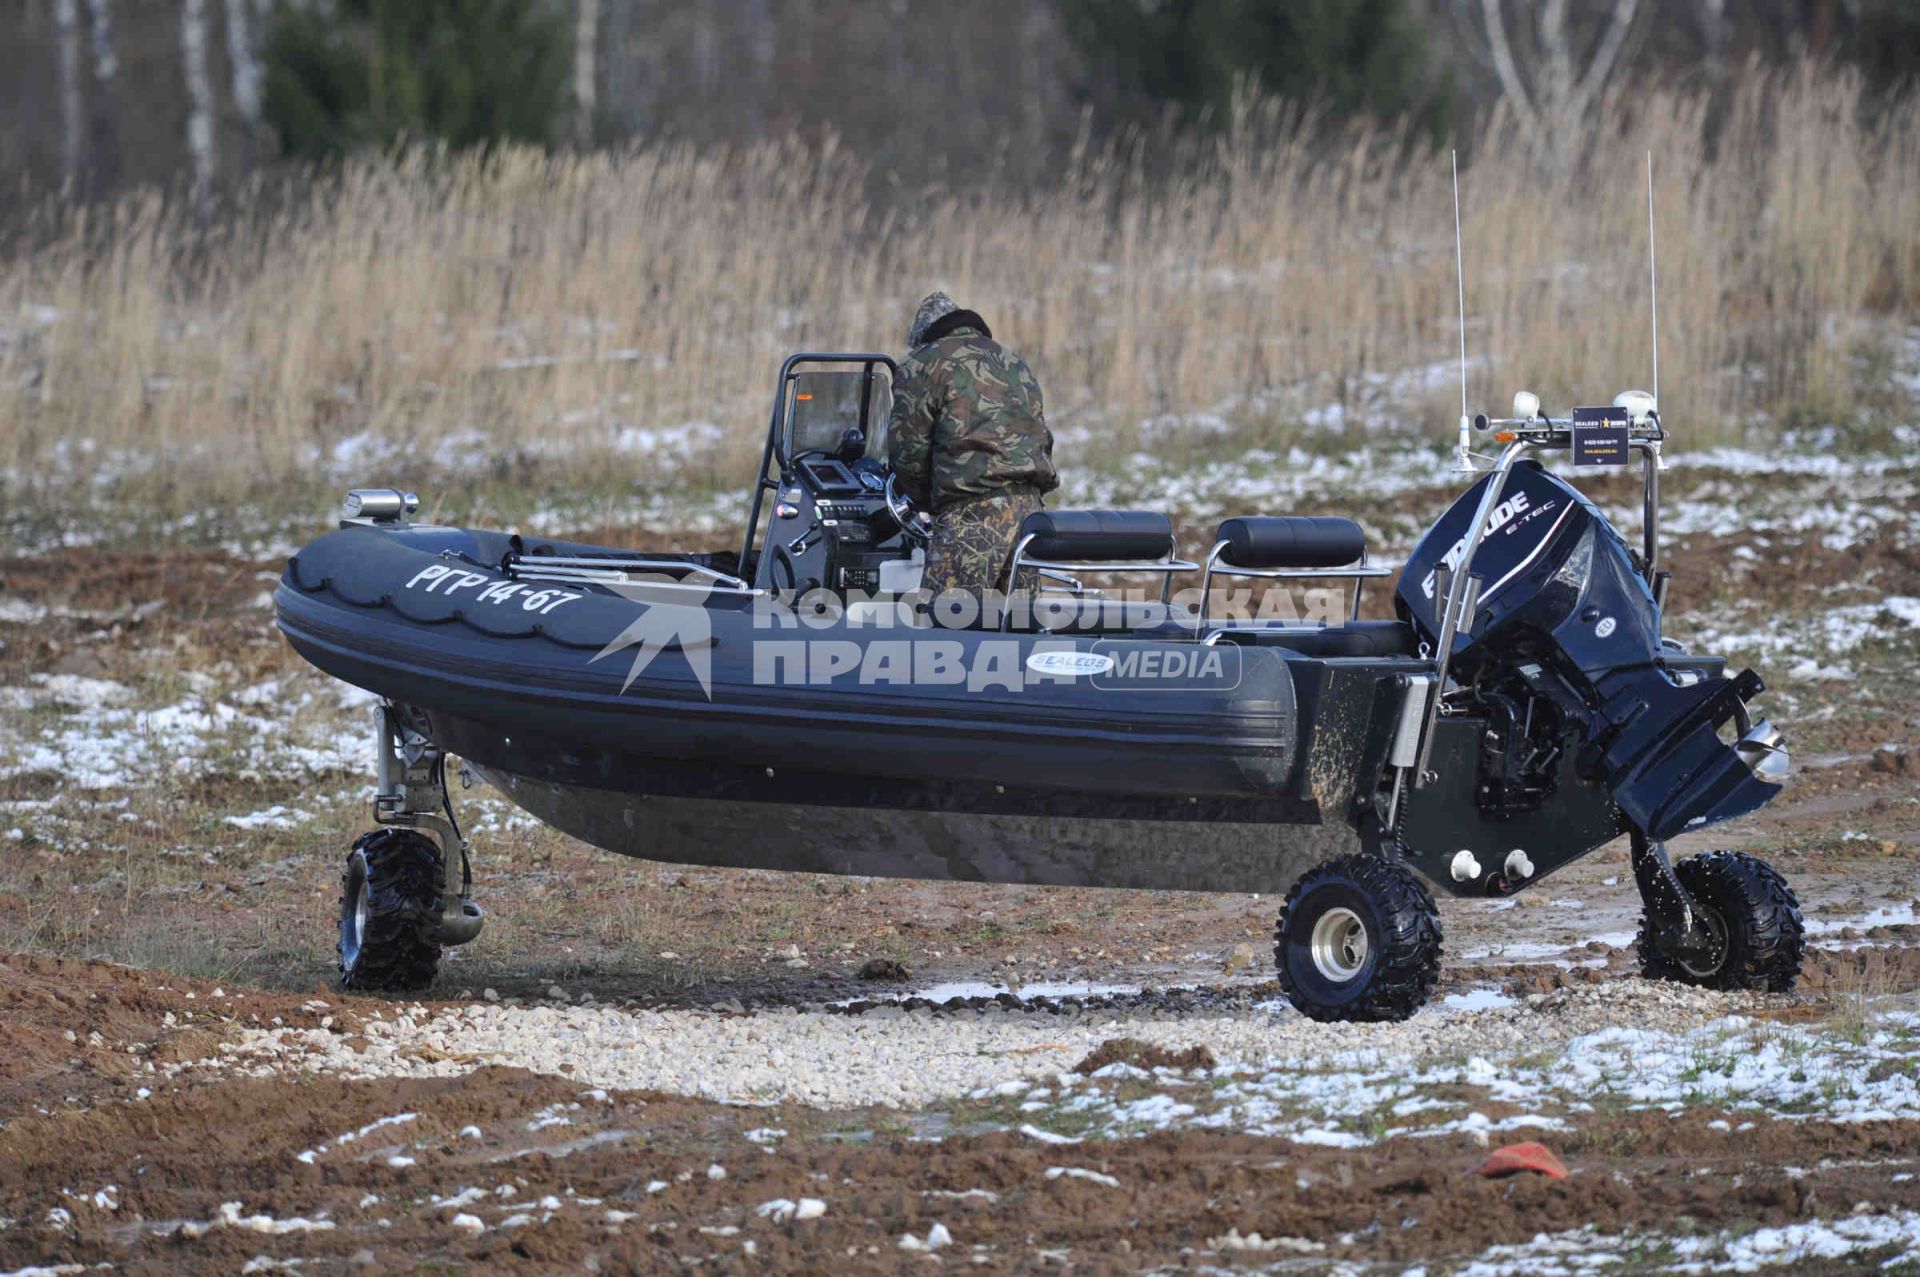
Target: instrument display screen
{"points": [[829, 476]]}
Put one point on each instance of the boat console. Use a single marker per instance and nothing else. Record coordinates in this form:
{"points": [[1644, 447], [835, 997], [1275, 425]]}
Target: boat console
{"points": [[831, 526]]}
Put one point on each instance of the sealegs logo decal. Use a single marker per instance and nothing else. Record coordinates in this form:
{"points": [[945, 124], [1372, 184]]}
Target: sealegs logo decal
{"points": [[1069, 664]]}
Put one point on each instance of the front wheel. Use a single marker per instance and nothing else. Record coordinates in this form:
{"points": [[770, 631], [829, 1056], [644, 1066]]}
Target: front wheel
{"points": [[1753, 917], [390, 912], [1358, 939]]}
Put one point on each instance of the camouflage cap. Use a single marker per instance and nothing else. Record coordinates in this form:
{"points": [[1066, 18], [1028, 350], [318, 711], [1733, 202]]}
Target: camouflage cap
{"points": [[935, 306]]}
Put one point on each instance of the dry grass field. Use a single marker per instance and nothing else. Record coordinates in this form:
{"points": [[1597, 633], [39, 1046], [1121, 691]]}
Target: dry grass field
{"points": [[527, 319]]}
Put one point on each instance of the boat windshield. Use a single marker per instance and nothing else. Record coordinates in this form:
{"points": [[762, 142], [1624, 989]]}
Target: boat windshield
{"points": [[826, 403]]}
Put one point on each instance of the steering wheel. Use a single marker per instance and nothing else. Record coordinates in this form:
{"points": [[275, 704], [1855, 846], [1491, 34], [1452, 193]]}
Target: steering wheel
{"points": [[915, 525]]}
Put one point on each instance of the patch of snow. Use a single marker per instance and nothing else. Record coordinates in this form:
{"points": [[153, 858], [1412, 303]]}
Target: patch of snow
{"points": [[274, 817], [230, 1217], [782, 1209], [21, 612], [1903, 914], [1477, 1000], [100, 742], [936, 1237], [79, 691]]}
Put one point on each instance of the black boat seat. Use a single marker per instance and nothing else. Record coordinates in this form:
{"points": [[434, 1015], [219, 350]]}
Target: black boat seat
{"points": [[1060, 544], [1097, 536], [1280, 547], [1273, 541]]}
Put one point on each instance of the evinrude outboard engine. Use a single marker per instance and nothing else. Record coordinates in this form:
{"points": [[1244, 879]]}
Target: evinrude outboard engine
{"points": [[1560, 643]]}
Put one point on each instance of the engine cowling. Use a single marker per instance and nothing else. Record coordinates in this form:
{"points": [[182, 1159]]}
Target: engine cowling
{"points": [[1564, 613], [1550, 563]]}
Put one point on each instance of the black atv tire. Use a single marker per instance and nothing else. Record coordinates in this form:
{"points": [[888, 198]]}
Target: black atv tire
{"points": [[1751, 911], [1358, 939], [390, 912]]}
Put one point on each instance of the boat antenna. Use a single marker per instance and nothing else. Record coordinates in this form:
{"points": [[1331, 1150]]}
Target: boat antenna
{"points": [[1460, 267], [1653, 284]]}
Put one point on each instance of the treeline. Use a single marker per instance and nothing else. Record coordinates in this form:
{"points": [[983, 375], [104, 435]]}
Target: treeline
{"points": [[106, 94]]}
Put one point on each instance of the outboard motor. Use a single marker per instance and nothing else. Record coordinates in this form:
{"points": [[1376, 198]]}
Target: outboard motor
{"points": [[1561, 642]]}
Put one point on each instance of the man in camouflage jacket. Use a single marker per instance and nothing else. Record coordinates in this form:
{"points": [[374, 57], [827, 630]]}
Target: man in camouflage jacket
{"points": [[969, 442]]}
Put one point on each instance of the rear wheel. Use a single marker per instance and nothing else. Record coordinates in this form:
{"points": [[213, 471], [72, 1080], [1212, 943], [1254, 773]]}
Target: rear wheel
{"points": [[1358, 939], [1753, 917], [390, 912]]}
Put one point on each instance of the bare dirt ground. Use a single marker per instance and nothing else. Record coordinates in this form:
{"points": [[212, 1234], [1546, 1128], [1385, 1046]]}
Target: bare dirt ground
{"points": [[642, 1068], [214, 1176]]}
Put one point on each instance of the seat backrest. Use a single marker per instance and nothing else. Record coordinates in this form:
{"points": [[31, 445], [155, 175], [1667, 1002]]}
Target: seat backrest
{"points": [[1273, 541], [1097, 536]]}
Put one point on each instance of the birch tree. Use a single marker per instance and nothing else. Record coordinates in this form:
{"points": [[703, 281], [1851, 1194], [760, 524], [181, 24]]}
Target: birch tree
{"points": [[66, 25], [762, 40], [1037, 71], [106, 64], [1711, 17], [706, 48], [103, 143], [899, 52], [243, 58], [1551, 86], [193, 58], [586, 60]]}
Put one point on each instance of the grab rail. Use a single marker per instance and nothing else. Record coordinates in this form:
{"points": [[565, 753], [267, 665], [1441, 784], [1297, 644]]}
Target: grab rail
{"points": [[1167, 568], [1358, 573], [614, 570]]}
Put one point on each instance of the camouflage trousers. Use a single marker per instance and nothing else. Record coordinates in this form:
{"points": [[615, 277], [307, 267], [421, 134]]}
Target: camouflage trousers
{"points": [[974, 540]]}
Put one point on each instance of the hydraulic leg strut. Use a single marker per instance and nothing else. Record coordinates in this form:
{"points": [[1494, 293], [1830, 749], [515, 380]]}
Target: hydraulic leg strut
{"points": [[1672, 916], [411, 793]]}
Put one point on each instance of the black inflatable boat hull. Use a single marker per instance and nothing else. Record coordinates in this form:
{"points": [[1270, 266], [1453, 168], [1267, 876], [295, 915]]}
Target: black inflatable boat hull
{"points": [[1049, 780]]}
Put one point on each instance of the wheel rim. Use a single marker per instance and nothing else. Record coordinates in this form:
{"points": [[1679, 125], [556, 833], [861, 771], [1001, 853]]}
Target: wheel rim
{"points": [[353, 920], [1339, 944], [1709, 967]]}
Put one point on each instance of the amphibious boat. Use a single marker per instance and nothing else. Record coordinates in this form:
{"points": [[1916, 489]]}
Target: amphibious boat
{"points": [[798, 704]]}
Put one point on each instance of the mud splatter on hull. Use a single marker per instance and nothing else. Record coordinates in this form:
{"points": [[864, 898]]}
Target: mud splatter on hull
{"points": [[954, 845]]}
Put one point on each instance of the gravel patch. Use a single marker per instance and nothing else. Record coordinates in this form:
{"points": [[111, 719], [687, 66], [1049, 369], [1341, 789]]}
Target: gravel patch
{"points": [[910, 1058]]}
